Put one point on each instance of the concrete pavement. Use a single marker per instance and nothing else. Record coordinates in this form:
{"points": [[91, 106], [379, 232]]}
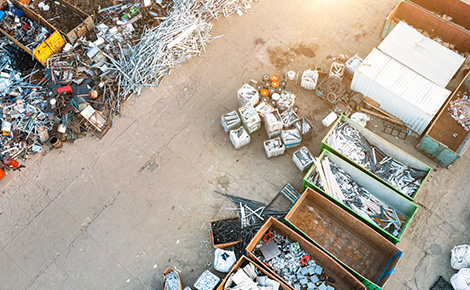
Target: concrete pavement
{"points": [[114, 213]]}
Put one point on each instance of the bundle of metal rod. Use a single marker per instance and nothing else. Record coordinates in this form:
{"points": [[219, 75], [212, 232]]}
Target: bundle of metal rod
{"points": [[352, 144], [226, 230], [339, 184], [184, 33], [292, 263]]}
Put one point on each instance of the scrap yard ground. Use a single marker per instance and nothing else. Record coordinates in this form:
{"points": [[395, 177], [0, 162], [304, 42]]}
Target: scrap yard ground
{"points": [[114, 213]]}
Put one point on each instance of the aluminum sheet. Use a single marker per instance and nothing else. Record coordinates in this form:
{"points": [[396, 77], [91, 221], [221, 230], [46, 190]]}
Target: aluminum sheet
{"points": [[399, 90], [422, 54]]}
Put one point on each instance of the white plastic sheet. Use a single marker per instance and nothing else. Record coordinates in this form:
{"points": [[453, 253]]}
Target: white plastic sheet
{"points": [[461, 280], [224, 260], [460, 257]]}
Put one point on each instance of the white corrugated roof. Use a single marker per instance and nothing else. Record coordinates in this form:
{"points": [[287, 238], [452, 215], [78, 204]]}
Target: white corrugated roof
{"points": [[399, 90], [425, 56]]}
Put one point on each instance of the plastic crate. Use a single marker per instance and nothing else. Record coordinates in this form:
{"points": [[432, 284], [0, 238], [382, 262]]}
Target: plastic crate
{"points": [[302, 158], [230, 121], [291, 138], [289, 117], [247, 94], [304, 126], [273, 121], [250, 118], [239, 137], [274, 147]]}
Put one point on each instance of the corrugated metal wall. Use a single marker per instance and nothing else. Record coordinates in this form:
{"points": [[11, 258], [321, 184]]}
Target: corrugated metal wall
{"points": [[399, 90]]}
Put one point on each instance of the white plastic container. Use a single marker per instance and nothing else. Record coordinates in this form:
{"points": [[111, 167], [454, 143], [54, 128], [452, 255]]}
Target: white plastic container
{"points": [[230, 121], [302, 158], [273, 121], [291, 138], [352, 64], [309, 79], [239, 138], [329, 119], [274, 147], [250, 118], [247, 94]]}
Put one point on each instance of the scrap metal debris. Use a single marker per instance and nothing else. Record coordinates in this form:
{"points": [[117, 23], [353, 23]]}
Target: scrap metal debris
{"points": [[339, 184], [292, 263], [459, 110], [134, 45], [352, 144]]}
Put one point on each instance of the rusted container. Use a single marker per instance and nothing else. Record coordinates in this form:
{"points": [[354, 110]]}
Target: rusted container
{"points": [[445, 140], [344, 279], [419, 18], [457, 9], [72, 35], [366, 254]]}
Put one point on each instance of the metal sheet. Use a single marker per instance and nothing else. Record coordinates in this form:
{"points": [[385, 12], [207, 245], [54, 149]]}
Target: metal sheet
{"points": [[423, 55], [399, 90]]}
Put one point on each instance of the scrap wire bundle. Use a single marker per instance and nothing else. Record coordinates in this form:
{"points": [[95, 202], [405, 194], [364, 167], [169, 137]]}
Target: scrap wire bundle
{"points": [[351, 143], [460, 111], [340, 185]]}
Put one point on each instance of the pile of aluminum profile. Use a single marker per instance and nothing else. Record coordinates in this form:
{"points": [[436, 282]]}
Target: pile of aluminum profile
{"points": [[339, 184], [289, 117], [247, 94], [352, 64], [230, 121], [459, 110], [291, 138], [293, 264], [239, 137], [304, 126], [309, 79], [302, 158], [273, 121], [337, 70], [250, 118], [263, 108], [351, 143], [250, 278], [274, 147], [286, 100], [207, 281]]}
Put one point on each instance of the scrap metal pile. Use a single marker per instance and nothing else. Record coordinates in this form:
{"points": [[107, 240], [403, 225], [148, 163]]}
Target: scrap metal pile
{"points": [[339, 184], [292, 263], [352, 144], [459, 110], [270, 101], [134, 45]]}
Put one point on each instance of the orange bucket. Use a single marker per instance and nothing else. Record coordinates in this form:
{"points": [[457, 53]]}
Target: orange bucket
{"points": [[274, 78], [275, 84], [2, 173], [264, 92]]}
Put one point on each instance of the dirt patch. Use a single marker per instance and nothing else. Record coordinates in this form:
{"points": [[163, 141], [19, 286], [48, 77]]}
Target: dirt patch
{"points": [[91, 6], [259, 41], [280, 57]]}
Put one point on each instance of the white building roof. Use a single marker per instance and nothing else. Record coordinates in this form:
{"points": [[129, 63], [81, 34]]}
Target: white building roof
{"points": [[423, 55], [399, 90]]}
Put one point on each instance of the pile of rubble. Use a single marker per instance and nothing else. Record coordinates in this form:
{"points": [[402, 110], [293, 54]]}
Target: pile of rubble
{"points": [[53, 96]]}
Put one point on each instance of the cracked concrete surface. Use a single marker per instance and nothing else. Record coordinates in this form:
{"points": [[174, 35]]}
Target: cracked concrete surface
{"points": [[113, 213]]}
